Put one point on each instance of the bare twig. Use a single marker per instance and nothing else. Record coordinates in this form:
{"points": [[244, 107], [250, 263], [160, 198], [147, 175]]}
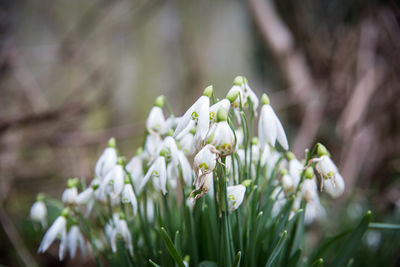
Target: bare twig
{"points": [[293, 64]]}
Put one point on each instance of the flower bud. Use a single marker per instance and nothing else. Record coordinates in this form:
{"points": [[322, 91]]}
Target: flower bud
{"points": [[159, 101], [265, 99], [239, 80], [322, 151], [112, 143], [208, 91], [233, 95]]}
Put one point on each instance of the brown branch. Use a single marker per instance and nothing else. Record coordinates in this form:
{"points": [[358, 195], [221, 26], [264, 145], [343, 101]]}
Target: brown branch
{"points": [[278, 38], [67, 110]]}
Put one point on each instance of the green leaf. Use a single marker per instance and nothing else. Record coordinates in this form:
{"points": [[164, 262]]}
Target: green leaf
{"points": [[298, 236], [177, 242], [352, 242], [171, 248], [208, 264], [276, 250], [318, 262], [238, 257], [384, 226], [153, 263]]}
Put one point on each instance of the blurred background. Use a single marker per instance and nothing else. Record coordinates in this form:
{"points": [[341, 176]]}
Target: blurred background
{"points": [[75, 73]]}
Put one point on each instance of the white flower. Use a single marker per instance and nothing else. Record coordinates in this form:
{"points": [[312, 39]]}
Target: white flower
{"points": [[270, 128], [158, 172], [187, 144], [39, 212], [113, 182], [224, 103], [169, 150], [235, 196], [332, 180], [187, 171], [75, 239], [56, 230], [240, 93], [107, 160], [222, 138], [295, 169], [204, 163], [152, 144], [135, 168], [287, 183], [155, 122], [70, 195], [197, 114], [128, 196], [121, 230], [335, 186]]}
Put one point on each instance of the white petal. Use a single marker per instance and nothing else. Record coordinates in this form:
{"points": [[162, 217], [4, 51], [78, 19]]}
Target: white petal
{"points": [[203, 106], [85, 196], [235, 196], [184, 120], [58, 227], [155, 121], [106, 161], [38, 211], [268, 125], [281, 135]]}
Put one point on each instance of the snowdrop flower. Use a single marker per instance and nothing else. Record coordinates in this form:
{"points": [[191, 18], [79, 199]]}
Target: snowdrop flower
{"points": [[187, 143], [152, 144], [235, 196], [158, 172], [335, 187], [295, 168], [56, 231], [169, 150], [135, 168], [332, 180], [287, 181], [269, 127], [88, 196], [155, 122], [75, 239], [39, 211], [128, 196], [224, 103], [121, 230], [70, 194], [240, 93], [197, 115], [113, 182], [107, 160], [221, 135], [204, 163], [187, 171]]}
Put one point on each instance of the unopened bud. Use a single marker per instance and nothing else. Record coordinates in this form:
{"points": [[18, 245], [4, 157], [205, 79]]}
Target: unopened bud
{"points": [[239, 80], [290, 155], [322, 151], [112, 143], [265, 99], [159, 101], [208, 91], [72, 182]]}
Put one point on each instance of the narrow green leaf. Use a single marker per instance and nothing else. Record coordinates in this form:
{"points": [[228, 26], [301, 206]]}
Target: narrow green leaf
{"points": [[384, 226], [352, 242], [177, 242], [238, 257], [153, 263], [299, 231], [208, 264], [276, 250], [318, 262], [293, 261], [171, 248]]}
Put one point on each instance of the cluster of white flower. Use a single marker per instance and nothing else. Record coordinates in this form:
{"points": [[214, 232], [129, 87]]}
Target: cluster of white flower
{"points": [[211, 133]]}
